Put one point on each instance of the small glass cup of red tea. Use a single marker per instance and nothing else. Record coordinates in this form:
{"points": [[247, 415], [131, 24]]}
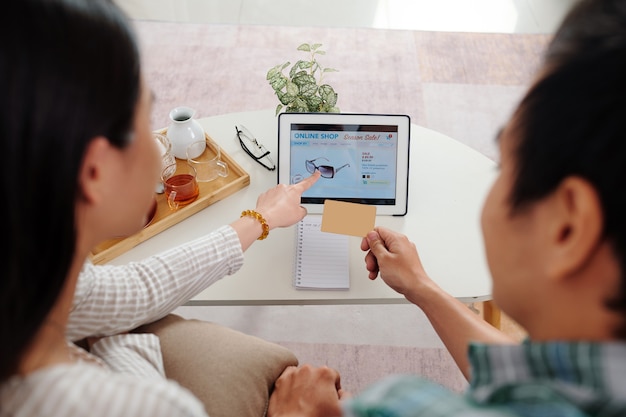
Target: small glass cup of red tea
{"points": [[181, 186]]}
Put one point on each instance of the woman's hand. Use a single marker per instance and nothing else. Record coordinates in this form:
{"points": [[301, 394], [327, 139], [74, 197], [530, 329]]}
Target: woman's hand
{"points": [[280, 206]]}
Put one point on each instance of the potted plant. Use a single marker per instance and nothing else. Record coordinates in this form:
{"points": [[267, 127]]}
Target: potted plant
{"points": [[302, 90]]}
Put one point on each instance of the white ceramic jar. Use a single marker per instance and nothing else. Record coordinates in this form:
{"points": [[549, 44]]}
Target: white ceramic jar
{"points": [[183, 131]]}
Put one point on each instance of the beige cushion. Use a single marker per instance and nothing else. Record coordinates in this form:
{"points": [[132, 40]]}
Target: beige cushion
{"points": [[232, 373]]}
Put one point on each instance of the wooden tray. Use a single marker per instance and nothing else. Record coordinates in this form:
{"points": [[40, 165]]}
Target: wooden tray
{"points": [[210, 192]]}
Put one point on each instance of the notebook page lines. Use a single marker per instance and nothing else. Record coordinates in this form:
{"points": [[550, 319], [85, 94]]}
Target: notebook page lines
{"points": [[321, 258]]}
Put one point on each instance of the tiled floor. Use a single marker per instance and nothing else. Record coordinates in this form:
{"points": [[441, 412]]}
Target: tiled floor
{"points": [[377, 324]]}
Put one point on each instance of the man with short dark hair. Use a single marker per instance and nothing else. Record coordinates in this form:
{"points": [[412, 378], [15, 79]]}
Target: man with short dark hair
{"points": [[555, 238]]}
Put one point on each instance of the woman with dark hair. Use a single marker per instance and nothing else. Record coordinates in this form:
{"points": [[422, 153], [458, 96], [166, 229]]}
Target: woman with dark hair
{"points": [[79, 167], [555, 241]]}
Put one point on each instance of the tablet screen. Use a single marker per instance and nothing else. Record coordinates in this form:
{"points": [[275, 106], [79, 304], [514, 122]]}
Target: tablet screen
{"points": [[362, 158]]}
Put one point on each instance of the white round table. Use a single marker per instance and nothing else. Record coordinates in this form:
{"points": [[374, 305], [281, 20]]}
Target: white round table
{"points": [[448, 184]]}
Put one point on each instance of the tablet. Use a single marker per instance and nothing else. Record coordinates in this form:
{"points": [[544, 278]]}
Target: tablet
{"points": [[363, 158]]}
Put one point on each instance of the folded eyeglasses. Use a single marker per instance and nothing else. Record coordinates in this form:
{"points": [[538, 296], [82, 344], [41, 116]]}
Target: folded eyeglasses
{"points": [[252, 147]]}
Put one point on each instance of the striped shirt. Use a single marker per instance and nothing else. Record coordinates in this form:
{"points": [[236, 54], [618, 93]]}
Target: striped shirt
{"points": [[557, 379], [123, 374]]}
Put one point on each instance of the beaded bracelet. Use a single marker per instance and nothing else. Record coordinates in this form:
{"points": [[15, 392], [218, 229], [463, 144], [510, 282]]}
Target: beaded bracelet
{"points": [[264, 225]]}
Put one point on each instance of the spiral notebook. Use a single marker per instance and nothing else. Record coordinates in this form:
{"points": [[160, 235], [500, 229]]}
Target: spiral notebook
{"points": [[322, 259]]}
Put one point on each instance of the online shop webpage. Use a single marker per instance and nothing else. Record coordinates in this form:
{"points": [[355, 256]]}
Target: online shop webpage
{"points": [[357, 162]]}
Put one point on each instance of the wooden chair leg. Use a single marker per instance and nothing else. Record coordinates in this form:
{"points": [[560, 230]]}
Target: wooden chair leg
{"points": [[492, 314]]}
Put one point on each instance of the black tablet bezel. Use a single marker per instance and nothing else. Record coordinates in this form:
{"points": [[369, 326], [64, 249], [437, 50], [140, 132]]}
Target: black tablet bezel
{"points": [[316, 205]]}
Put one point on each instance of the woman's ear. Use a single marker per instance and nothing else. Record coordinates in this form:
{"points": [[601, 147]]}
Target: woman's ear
{"points": [[575, 228], [93, 176]]}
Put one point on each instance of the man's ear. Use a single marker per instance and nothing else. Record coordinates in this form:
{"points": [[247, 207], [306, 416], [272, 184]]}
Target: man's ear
{"points": [[576, 226], [93, 172]]}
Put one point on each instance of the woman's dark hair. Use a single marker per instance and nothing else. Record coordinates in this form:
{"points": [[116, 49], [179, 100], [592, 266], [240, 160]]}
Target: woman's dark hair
{"points": [[572, 122], [69, 71]]}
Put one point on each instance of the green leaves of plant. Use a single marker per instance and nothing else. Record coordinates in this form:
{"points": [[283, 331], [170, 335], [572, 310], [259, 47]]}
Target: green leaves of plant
{"points": [[311, 48], [301, 91], [328, 95], [300, 65]]}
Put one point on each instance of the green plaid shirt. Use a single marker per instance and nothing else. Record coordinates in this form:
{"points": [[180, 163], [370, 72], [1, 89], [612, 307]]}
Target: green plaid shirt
{"points": [[554, 379]]}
